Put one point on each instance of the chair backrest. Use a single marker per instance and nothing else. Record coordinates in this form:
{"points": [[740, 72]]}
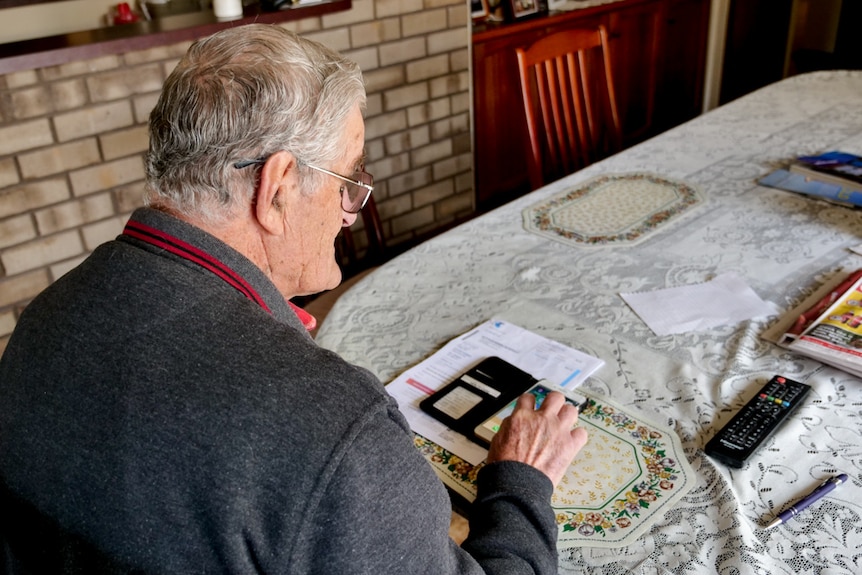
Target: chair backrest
{"points": [[356, 253], [569, 99]]}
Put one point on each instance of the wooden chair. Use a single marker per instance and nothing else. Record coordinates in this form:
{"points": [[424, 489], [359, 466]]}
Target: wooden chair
{"points": [[570, 103], [357, 255]]}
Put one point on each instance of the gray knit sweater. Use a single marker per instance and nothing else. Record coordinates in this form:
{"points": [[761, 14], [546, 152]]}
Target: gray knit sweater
{"points": [[163, 410]]}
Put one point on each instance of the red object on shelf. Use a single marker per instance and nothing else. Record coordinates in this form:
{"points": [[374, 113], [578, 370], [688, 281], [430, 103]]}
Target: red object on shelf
{"points": [[124, 14]]}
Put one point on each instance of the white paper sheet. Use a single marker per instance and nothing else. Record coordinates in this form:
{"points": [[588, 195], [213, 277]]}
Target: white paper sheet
{"points": [[539, 356], [724, 300]]}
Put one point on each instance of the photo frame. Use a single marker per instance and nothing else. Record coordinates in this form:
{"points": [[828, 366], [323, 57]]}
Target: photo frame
{"points": [[479, 9], [523, 8]]}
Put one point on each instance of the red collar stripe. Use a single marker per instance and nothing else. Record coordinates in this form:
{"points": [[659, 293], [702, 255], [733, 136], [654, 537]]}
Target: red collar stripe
{"points": [[187, 251]]}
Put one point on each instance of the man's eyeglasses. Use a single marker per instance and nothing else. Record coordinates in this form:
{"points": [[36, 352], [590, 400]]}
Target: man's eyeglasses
{"points": [[354, 192]]}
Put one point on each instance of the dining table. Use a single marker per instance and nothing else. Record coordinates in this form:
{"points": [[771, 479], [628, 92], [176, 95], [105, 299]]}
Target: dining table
{"points": [[680, 209]]}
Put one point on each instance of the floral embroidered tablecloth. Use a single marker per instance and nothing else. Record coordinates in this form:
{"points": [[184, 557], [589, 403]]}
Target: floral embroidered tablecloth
{"points": [[630, 472]]}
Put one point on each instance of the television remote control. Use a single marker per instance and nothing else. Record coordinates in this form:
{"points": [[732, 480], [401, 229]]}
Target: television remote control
{"points": [[756, 421]]}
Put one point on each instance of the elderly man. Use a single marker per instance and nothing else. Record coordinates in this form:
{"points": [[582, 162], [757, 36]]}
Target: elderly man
{"points": [[165, 411]]}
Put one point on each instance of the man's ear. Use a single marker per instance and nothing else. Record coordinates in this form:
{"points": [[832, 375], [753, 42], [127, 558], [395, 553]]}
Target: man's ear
{"points": [[275, 181]]}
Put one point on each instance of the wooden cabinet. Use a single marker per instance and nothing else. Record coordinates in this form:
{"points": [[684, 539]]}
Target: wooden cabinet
{"points": [[659, 57]]}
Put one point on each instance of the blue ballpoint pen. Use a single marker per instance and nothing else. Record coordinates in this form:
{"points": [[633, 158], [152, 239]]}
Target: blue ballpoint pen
{"points": [[815, 495]]}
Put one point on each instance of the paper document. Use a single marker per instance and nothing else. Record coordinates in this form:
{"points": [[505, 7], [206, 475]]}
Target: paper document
{"points": [[723, 300], [539, 356]]}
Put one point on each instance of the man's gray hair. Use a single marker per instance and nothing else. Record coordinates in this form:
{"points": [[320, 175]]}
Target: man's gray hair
{"points": [[242, 94]]}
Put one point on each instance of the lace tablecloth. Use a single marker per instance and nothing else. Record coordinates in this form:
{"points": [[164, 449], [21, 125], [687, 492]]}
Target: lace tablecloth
{"points": [[783, 244]]}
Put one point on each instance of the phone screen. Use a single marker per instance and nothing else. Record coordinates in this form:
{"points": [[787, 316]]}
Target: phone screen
{"points": [[491, 426]]}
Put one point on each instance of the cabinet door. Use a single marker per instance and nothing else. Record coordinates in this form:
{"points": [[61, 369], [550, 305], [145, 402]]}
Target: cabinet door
{"points": [[685, 25], [634, 34]]}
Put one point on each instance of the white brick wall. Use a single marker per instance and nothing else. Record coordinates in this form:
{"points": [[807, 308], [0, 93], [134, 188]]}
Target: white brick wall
{"points": [[72, 137], [25, 136], [56, 159], [41, 252]]}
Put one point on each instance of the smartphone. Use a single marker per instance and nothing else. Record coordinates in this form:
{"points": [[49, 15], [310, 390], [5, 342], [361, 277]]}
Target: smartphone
{"points": [[488, 428]]}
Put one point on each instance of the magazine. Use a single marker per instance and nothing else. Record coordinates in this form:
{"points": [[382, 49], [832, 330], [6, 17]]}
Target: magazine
{"points": [[829, 331]]}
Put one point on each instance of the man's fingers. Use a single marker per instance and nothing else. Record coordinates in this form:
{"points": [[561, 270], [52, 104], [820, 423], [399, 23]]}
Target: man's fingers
{"points": [[526, 401], [580, 437], [553, 405], [553, 402]]}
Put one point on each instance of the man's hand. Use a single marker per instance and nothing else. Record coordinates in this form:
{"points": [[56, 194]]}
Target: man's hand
{"points": [[542, 437]]}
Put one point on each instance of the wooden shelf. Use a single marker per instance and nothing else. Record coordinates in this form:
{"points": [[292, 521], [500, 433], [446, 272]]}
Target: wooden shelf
{"points": [[63, 48], [490, 30]]}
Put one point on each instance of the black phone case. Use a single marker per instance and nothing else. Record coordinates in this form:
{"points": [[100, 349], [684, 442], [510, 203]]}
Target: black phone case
{"points": [[493, 372]]}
